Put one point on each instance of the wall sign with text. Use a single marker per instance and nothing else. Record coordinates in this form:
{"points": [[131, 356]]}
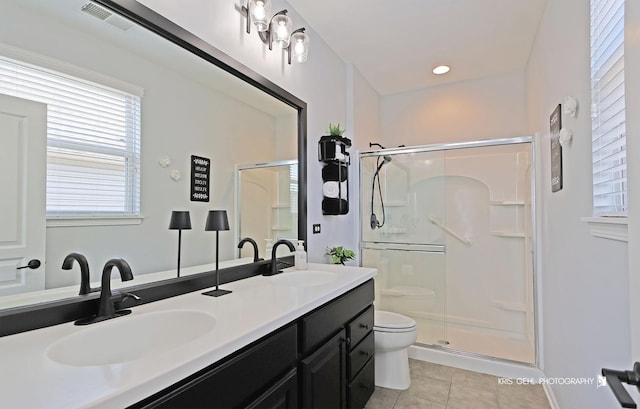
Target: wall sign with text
{"points": [[200, 178]]}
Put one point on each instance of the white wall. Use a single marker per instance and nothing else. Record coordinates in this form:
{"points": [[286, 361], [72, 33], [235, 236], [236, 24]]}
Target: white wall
{"points": [[584, 280], [473, 110], [363, 107], [321, 83]]}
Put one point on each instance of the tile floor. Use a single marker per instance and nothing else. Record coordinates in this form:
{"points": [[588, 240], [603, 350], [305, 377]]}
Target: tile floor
{"points": [[441, 387]]}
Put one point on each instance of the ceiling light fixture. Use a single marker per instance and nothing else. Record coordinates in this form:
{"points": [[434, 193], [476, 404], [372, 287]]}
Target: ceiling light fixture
{"points": [[441, 69], [276, 29]]}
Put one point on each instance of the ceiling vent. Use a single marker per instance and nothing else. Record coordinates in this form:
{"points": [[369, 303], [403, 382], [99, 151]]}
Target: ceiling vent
{"points": [[107, 16]]}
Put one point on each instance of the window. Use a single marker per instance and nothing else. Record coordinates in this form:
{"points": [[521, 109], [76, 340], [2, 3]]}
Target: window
{"points": [[93, 140], [608, 108]]}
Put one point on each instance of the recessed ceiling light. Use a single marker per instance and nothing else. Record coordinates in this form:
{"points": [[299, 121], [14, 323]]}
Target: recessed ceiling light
{"points": [[441, 69]]}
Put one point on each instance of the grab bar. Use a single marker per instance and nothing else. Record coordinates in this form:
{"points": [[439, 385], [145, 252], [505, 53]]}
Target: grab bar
{"points": [[438, 223], [422, 248]]}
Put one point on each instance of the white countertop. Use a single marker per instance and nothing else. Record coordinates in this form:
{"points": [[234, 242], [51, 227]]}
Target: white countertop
{"points": [[29, 379], [61, 293]]}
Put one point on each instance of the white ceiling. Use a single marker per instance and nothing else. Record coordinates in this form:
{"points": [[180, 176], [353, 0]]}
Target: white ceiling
{"points": [[396, 44]]}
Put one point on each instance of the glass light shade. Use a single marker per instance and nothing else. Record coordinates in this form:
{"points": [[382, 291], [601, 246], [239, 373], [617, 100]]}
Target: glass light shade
{"points": [[300, 46], [260, 13], [281, 27]]}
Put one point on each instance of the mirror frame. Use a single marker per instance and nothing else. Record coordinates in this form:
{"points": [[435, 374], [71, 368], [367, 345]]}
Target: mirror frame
{"points": [[21, 319]]}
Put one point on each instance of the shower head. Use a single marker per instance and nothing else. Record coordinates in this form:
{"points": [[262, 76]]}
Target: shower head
{"points": [[385, 159], [374, 221]]}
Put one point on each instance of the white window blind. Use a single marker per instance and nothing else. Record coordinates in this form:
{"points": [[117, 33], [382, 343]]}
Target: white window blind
{"points": [[93, 140], [608, 108]]}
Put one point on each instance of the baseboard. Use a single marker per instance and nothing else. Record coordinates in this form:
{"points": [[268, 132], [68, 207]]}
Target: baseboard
{"points": [[550, 396], [495, 367]]}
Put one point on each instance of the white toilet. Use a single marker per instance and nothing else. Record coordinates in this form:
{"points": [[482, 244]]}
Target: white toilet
{"points": [[393, 335]]}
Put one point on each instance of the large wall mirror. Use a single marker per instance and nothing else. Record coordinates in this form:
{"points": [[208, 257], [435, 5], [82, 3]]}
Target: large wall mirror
{"points": [[194, 100]]}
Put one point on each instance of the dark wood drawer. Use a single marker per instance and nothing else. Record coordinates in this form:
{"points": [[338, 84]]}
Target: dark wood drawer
{"points": [[360, 327], [321, 324], [361, 388], [282, 395], [359, 356]]}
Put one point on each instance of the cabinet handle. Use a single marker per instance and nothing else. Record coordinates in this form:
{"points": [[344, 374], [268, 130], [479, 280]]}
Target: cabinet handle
{"points": [[364, 353], [365, 326]]}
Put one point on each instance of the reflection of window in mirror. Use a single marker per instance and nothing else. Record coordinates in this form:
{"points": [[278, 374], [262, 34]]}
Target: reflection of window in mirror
{"points": [[93, 139]]}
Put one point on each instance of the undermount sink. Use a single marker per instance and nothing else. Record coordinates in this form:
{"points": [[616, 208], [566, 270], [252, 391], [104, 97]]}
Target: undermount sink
{"points": [[131, 337], [304, 278]]}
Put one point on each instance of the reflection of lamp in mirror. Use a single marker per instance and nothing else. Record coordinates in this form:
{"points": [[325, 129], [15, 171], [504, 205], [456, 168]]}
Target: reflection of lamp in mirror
{"points": [[180, 220], [216, 221]]}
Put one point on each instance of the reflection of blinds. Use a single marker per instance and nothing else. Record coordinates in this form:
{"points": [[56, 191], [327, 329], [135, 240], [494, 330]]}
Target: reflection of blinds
{"points": [[93, 140], [293, 188], [608, 107]]}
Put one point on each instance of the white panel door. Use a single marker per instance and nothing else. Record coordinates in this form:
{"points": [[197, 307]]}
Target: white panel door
{"points": [[23, 159]]}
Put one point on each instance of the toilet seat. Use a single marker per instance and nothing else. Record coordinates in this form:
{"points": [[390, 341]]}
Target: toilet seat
{"points": [[385, 321]]}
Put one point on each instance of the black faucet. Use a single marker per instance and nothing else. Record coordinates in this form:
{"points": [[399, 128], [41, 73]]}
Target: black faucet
{"points": [[256, 258], [106, 308], [274, 261], [85, 285]]}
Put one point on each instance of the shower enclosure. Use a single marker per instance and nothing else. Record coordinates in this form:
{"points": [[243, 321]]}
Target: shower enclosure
{"points": [[267, 204], [449, 228]]}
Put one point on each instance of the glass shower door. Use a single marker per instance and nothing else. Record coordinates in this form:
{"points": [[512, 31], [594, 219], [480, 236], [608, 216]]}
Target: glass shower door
{"points": [[402, 236], [267, 203]]}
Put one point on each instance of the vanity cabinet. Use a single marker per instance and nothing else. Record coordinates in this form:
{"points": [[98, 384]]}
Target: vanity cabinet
{"points": [[283, 395], [338, 342], [324, 375], [324, 359], [258, 373]]}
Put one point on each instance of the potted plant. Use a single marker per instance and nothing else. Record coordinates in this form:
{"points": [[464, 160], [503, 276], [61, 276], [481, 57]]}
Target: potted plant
{"points": [[339, 254], [333, 147], [335, 130]]}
